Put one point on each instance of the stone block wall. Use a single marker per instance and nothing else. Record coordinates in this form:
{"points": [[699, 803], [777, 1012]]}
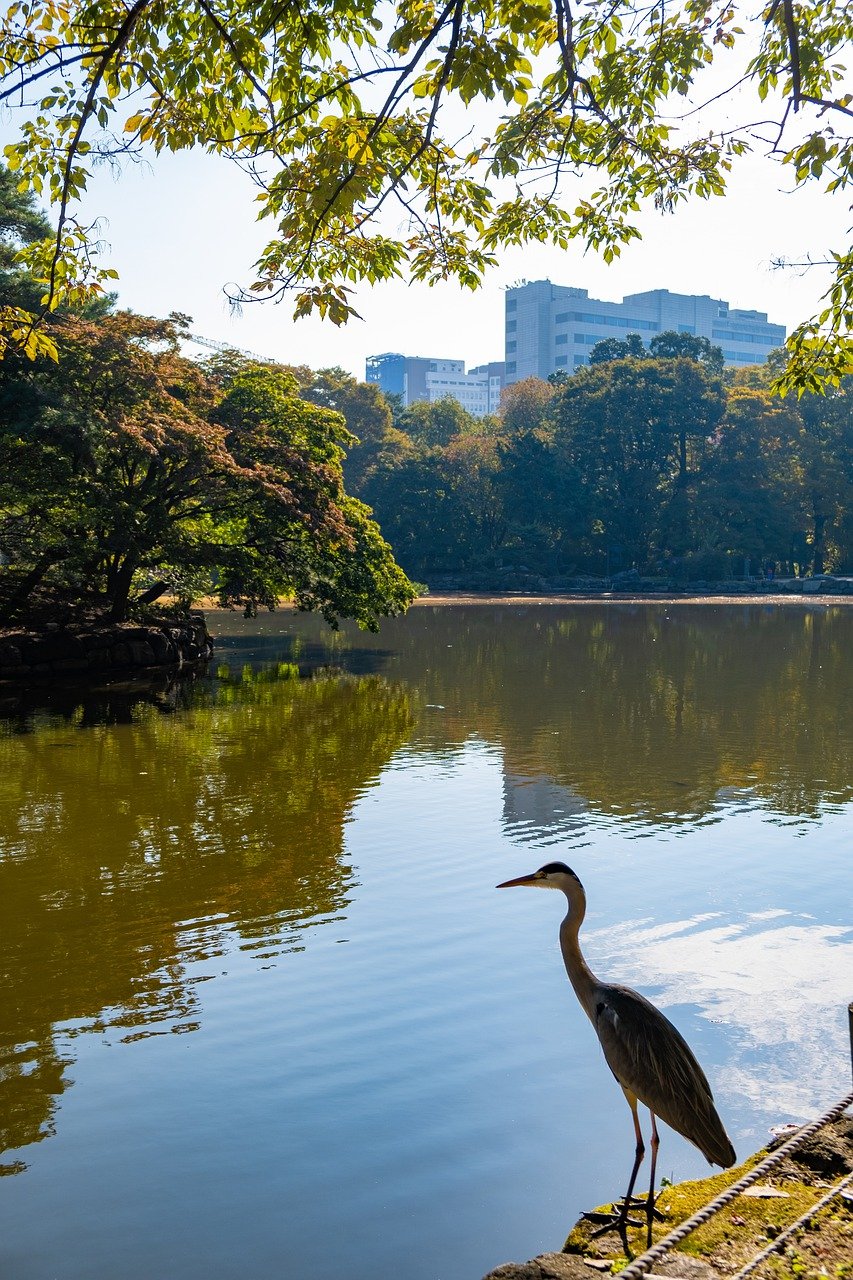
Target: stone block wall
{"points": [[103, 649]]}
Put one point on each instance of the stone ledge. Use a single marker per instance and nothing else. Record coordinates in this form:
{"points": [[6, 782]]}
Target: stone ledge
{"points": [[735, 1234], [63, 652]]}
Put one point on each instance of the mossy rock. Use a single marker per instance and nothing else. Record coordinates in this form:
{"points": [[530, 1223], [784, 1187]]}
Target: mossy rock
{"points": [[734, 1234]]}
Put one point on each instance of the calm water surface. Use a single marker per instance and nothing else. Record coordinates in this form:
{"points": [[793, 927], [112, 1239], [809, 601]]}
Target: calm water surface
{"points": [[262, 1012]]}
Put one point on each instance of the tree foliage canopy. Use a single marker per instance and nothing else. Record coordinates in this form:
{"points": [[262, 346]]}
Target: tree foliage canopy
{"points": [[354, 120], [21, 224], [668, 345], [631, 347]]}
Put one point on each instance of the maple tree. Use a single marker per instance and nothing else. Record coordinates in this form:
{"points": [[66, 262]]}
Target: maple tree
{"points": [[127, 470]]}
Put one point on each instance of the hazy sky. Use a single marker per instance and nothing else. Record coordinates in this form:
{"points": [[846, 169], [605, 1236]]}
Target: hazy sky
{"points": [[180, 229]]}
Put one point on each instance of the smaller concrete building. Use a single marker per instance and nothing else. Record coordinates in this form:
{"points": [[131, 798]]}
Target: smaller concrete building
{"points": [[432, 378]]}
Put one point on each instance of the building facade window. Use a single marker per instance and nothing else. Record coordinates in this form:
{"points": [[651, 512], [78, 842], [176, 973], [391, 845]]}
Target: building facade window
{"points": [[739, 335], [743, 357], [613, 322]]}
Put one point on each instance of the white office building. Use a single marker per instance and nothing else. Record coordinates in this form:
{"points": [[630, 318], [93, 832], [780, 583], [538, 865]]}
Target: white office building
{"points": [[551, 327]]}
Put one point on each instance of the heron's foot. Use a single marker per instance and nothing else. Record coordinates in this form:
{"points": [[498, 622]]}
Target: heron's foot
{"points": [[650, 1210], [618, 1220]]}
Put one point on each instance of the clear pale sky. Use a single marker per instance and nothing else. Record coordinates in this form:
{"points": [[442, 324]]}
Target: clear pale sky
{"points": [[182, 228]]}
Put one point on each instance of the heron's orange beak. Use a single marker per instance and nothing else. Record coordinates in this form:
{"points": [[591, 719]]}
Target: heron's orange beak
{"points": [[510, 884]]}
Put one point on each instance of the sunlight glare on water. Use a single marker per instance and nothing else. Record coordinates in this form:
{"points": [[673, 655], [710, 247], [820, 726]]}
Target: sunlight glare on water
{"points": [[263, 1011]]}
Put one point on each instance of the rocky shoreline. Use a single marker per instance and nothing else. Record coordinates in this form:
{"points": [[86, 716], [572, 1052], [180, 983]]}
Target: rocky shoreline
{"points": [[83, 651], [821, 1248]]}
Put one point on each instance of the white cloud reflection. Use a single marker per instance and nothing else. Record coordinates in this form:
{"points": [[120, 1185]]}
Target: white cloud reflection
{"points": [[779, 983]]}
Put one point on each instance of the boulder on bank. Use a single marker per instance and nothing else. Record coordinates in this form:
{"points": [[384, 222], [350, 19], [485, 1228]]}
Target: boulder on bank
{"points": [[98, 649]]}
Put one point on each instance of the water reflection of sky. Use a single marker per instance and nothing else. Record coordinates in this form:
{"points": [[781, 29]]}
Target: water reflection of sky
{"points": [[779, 982]]}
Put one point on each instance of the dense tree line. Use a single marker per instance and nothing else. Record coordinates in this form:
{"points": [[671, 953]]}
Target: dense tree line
{"points": [[657, 460], [128, 471]]}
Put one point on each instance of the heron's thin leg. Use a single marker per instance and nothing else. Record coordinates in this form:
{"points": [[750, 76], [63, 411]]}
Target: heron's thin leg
{"points": [[639, 1152], [621, 1221], [650, 1204]]}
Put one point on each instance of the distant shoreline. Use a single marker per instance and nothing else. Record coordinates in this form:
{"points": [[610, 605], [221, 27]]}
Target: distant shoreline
{"points": [[618, 597], [209, 605]]}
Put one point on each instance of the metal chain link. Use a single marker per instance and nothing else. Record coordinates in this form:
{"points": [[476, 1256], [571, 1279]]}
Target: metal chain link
{"points": [[646, 1261]]}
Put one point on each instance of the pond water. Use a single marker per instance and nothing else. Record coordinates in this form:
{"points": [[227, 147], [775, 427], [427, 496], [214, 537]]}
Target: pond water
{"points": [[262, 1012]]}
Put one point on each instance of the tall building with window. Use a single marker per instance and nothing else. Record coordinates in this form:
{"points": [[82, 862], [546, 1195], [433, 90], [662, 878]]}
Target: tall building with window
{"points": [[424, 378], [552, 327]]}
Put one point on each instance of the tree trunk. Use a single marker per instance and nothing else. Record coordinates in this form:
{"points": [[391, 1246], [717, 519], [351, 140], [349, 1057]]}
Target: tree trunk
{"points": [[819, 536], [682, 457], [10, 608], [120, 591], [153, 593]]}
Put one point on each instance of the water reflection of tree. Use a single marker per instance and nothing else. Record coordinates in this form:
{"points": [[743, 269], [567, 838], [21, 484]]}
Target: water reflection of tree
{"points": [[131, 849], [652, 714], [643, 710]]}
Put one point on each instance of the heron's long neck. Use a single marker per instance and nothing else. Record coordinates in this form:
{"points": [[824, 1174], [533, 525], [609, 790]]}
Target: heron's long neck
{"points": [[581, 976]]}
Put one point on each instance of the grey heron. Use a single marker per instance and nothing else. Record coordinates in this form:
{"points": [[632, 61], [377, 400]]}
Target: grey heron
{"points": [[650, 1059]]}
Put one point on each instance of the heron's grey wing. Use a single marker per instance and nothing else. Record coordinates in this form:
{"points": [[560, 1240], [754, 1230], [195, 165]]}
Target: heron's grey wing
{"points": [[652, 1060]]}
